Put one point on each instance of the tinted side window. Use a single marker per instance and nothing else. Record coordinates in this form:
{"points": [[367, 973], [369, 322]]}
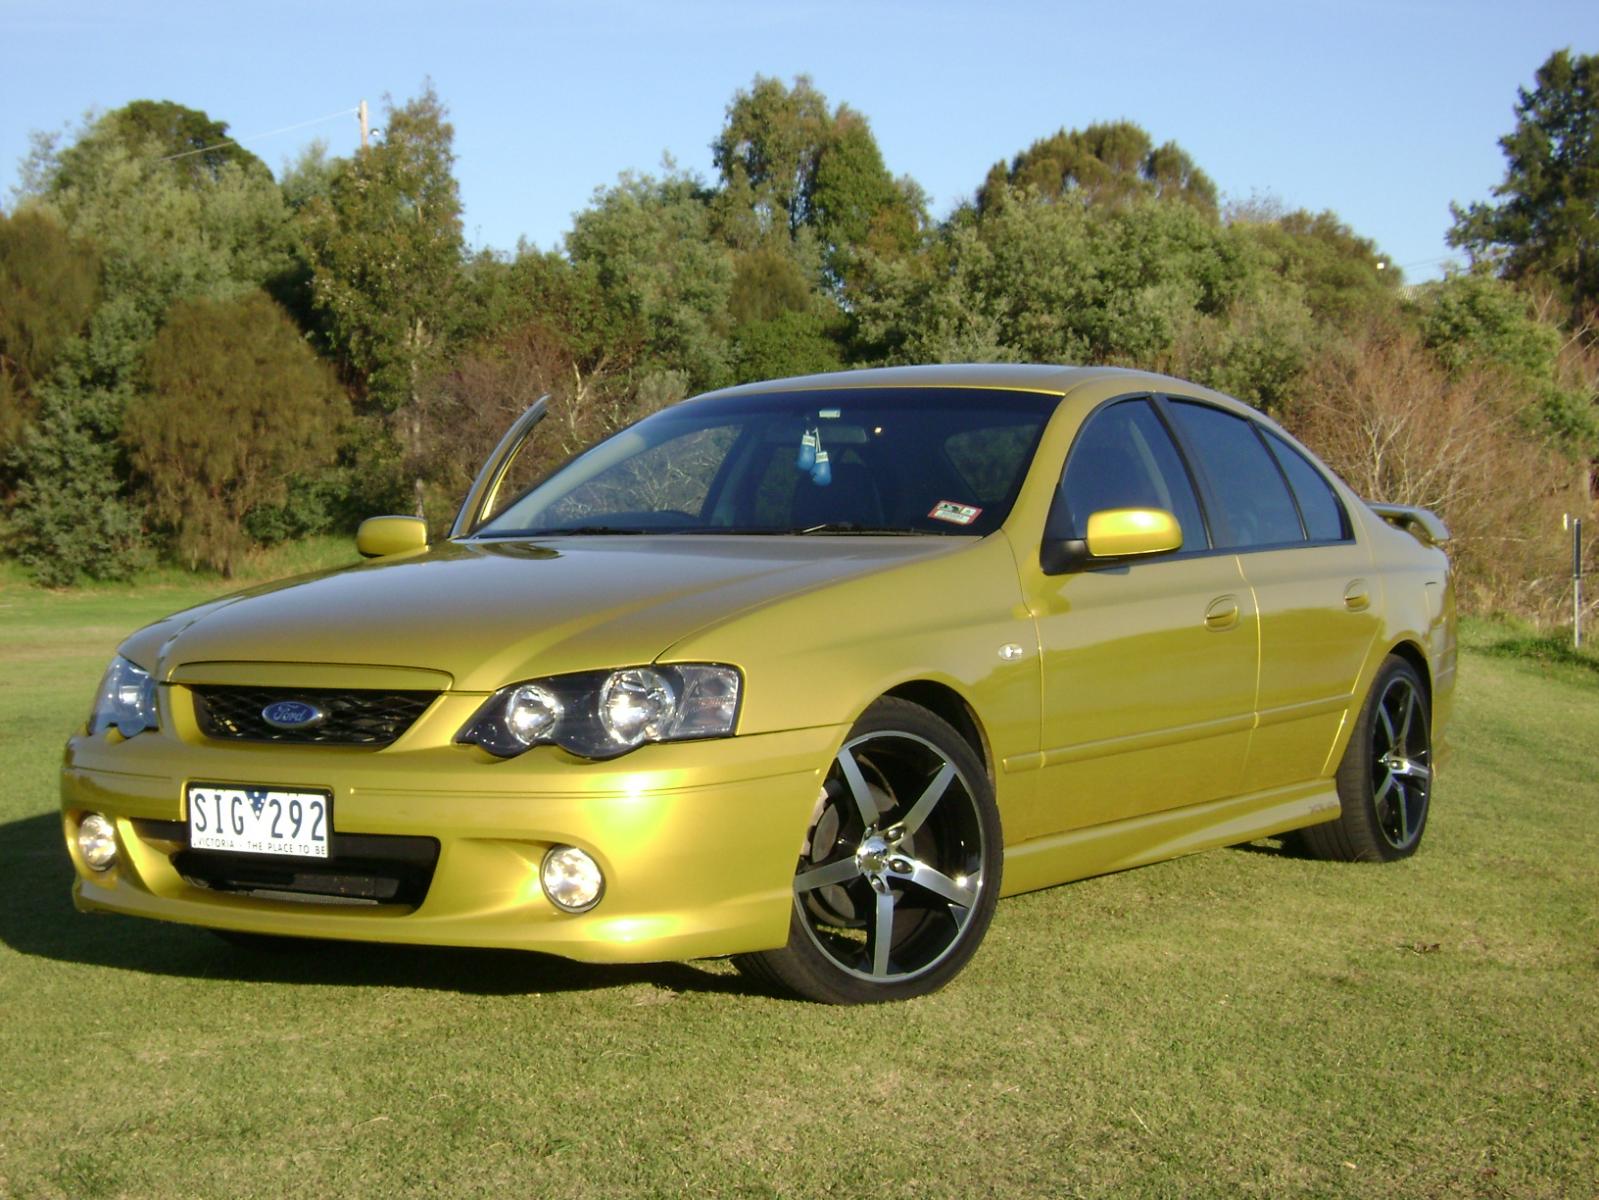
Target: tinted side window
{"points": [[1318, 503], [1124, 458], [1256, 509]]}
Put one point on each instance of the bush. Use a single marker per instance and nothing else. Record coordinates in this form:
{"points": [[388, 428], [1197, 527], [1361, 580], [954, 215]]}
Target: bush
{"points": [[238, 407], [1400, 428]]}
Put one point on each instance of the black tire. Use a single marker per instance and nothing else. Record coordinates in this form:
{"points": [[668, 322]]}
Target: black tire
{"points": [[900, 872], [1385, 777]]}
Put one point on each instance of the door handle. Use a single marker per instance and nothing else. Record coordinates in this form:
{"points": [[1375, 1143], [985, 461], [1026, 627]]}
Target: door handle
{"points": [[1357, 596], [1222, 613]]}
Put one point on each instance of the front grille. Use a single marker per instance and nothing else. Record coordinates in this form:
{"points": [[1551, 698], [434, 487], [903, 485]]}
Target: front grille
{"points": [[362, 868], [354, 718]]}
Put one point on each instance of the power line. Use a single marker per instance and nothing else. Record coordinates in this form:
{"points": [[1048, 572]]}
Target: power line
{"points": [[256, 137], [1427, 262]]}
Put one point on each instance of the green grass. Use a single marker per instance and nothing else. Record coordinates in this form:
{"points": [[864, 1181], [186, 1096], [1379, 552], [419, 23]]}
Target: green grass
{"points": [[1242, 1021], [288, 558]]}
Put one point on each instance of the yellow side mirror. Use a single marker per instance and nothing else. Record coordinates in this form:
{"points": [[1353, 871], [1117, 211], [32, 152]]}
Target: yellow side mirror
{"points": [[379, 537], [1129, 532]]}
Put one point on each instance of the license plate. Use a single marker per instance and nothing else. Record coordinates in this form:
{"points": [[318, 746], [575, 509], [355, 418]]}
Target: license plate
{"points": [[258, 820]]}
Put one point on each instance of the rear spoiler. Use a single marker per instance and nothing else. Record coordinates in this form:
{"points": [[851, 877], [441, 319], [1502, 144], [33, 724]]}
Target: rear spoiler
{"points": [[1422, 523]]}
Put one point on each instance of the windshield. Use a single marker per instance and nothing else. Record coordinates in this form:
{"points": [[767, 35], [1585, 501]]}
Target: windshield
{"points": [[868, 460]]}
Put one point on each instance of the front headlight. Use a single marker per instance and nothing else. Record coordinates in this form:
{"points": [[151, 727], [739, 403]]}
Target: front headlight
{"points": [[601, 714], [126, 699]]}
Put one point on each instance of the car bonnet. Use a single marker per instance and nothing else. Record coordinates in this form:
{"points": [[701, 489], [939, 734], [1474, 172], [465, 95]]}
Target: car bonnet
{"points": [[489, 613]]}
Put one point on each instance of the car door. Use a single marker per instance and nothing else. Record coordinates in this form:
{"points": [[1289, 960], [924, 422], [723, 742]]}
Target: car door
{"points": [[1148, 665], [1311, 580]]}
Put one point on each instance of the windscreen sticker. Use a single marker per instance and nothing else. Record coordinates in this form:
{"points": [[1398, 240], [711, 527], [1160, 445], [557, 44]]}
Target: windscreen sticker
{"points": [[955, 514]]}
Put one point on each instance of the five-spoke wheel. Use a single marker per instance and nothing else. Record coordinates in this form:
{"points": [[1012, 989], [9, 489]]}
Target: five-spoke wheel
{"points": [[899, 873], [1385, 778]]}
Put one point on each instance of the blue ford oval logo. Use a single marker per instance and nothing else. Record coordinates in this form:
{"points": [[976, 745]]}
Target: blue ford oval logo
{"points": [[292, 714]]}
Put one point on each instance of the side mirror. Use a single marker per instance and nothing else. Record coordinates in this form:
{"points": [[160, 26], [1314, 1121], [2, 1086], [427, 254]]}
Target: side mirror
{"points": [[1113, 534], [1132, 532], [379, 537]]}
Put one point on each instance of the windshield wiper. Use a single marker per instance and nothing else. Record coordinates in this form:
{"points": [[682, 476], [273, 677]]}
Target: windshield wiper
{"points": [[857, 527], [584, 531]]}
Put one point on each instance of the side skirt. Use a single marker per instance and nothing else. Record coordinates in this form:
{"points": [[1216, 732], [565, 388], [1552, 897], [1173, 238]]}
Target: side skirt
{"points": [[1155, 837]]}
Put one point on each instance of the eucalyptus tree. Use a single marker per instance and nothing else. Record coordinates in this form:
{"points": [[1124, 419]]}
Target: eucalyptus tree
{"points": [[387, 258], [1111, 164]]}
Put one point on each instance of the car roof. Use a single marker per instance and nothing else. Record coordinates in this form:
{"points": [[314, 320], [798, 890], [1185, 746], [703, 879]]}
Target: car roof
{"points": [[1031, 377], [1087, 387]]}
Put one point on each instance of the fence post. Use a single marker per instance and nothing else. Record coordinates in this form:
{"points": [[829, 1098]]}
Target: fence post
{"points": [[1576, 584]]}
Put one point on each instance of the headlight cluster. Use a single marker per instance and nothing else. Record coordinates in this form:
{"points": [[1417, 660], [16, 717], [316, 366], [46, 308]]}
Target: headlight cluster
{"points": [[126, 699], [601, 714]]}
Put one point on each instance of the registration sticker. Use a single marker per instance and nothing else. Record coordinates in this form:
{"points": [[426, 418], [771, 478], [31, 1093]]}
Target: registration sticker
{"points": [[259, 820], [955, 514]]}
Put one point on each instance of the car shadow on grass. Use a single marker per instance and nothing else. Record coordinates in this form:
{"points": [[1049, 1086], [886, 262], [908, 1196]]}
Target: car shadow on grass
{"points": [[37, 919], [1275, 847]]}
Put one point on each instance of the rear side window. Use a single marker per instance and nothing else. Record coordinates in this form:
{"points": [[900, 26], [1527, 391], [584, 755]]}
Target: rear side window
{"points": [[1256, 507], [1325, 520], [1124, 458]]}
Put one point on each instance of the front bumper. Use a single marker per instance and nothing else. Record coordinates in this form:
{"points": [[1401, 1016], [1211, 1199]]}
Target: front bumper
{"points": [[698, 840]]}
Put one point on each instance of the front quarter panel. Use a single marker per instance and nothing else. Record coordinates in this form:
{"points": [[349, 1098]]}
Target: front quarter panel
{"points": [[956, 619]]}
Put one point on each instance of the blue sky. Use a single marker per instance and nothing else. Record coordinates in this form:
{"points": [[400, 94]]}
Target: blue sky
{"points": [[1381, 110]]}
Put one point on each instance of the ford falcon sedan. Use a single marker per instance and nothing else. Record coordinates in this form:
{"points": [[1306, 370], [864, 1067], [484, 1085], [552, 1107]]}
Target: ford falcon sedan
{"points": [[809, 673]]}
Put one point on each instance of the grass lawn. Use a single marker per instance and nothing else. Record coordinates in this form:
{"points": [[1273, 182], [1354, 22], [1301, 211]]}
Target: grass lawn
{"points": [[1243, 1021]]}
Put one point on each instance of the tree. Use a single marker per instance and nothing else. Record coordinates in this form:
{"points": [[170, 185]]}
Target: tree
{"points": [[856, 206], [1346, 279], [766, 154], [1545, 225], [1399, 426], [1055, 283], [162, 231], [644, 250], [49, 286], [1476, 323], [199, 146], [239, 407], [1110, 164], [386, 251], [69, 516], [802, 176]]}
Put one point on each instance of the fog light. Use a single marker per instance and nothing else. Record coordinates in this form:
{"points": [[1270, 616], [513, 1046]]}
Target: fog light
{"points": [[571, 879], [97, 842]]}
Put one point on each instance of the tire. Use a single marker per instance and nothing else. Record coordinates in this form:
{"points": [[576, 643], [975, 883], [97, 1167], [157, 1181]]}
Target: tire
{"points": [[1385, 778], [900, 870]]}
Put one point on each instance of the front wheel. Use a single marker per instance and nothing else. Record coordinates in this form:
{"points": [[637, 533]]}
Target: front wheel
{"points": [[1385, 777], [899, 873]]}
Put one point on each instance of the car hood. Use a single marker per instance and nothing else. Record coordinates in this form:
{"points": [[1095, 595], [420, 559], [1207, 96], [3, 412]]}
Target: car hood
{"points": [[488, 613]]}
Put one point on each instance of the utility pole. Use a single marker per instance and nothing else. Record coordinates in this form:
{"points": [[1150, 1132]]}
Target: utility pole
{"points": [[361, 116]]}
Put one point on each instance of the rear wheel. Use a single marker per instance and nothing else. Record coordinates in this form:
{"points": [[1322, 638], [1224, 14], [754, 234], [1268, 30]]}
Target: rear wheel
{"points": [[899, 873], [1385, 778]]}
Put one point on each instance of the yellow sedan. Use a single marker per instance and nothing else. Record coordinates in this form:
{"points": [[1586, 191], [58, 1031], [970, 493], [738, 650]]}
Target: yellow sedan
{"points": [[809, 672]]}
